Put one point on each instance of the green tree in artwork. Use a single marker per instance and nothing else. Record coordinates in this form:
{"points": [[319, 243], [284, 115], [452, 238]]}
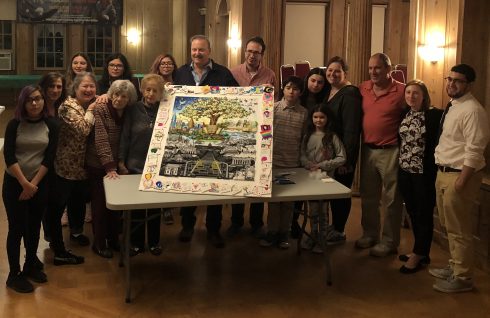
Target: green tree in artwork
{"points": [[215, 108]]}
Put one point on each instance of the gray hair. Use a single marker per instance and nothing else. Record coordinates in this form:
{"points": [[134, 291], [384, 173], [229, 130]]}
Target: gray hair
{"points": [[384, 58], [123, 86], [201, 37], [78, 79]]}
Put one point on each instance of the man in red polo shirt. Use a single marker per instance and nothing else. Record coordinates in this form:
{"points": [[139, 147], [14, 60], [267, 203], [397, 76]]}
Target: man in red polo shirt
{"points": [[382, 105]]}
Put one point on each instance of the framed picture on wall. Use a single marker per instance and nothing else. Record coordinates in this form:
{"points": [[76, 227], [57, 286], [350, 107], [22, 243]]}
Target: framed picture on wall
{"points": [[70, 12]]}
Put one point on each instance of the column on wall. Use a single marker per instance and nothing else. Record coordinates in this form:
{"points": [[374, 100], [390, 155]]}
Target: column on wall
{"points": [[358, 50], [179, 30], [235, 32], [336, 33], [272, 32], [359, 40]]}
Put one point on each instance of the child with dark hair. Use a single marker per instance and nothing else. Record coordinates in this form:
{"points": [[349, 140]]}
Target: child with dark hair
{"points": [[289, 126], [30, 143], [321, 151]]}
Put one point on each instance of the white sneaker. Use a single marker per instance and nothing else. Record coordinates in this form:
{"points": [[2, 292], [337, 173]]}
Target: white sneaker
{"points": [[453, 284], [442, 273]]}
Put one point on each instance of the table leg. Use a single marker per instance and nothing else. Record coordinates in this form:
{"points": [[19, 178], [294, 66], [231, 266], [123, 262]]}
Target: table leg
{"points": [[127, 246], [324, 245], [303, 226]]}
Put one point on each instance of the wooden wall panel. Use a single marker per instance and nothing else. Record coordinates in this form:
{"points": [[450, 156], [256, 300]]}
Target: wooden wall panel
{"points": [[24, 48], [74, 42], [476, 31], [396, 31], [359, 40], [336, 32], [273, 12], [429, 18], [180, 49], [153, 20]]}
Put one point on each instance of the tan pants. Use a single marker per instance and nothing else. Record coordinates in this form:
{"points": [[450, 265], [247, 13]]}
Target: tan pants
{"points": [[455, 209], [379, 175]]}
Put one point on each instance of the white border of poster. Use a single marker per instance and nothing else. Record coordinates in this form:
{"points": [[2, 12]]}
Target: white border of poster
{"points": [[212, 140]]}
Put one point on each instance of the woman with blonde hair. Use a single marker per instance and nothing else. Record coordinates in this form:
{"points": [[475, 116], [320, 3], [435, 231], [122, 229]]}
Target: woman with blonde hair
{"points": [[135, 140], [417, 172], [79, 63]]}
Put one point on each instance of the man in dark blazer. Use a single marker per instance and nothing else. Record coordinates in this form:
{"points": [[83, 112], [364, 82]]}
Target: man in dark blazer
{"points": [[202, 70]]}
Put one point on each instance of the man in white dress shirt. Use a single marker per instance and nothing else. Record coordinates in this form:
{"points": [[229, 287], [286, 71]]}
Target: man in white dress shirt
{"points": [[460, 159]]}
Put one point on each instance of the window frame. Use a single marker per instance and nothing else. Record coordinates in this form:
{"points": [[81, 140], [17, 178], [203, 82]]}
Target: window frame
{"points": [[92, 54], [12, 35], [54, 26]]}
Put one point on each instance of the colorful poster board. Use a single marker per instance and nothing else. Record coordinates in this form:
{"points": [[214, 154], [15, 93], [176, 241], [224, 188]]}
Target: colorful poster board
{"points": [[70, 11], [212, 140]]}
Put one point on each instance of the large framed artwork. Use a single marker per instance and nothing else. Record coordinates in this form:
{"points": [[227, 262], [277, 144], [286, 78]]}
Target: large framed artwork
{"points": [[70, 11], [212, 140]]}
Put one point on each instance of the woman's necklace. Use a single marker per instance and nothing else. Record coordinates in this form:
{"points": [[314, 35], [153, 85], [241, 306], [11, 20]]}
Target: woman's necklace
{"points": [[148, 117]]}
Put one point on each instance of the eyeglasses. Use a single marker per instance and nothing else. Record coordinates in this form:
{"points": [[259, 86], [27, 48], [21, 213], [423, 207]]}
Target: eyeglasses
{"points": [[36, 99], [166, 64], [116, 65], [456, 81], [253, 52]]}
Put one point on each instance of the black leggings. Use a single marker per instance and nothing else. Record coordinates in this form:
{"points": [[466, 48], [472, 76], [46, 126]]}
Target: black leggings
{"points": [[341, 207], [419, 194], [24, 220], [72, 193]]}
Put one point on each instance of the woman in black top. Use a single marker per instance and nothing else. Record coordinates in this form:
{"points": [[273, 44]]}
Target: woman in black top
{"points": [[53, 86], [315, 89], [417, 173], [116, 67], [344, 104], [30, 143]]}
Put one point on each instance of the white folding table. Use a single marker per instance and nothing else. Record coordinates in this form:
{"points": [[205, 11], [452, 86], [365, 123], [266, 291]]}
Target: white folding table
{"points": [[123, 194]]}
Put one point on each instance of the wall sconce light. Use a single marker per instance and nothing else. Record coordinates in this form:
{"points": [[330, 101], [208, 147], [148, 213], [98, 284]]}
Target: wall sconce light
{"points": [[433, 50], [431, 53], [234, 43], [134, 36]]}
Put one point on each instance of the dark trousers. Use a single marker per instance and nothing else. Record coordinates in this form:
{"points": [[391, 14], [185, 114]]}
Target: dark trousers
{"points": [[24, 220], [105, 222], [298, 207], [341, 207], [418, 191], [139, 223], [72, 193], [256, 215], [50, 184], [213, 217]]}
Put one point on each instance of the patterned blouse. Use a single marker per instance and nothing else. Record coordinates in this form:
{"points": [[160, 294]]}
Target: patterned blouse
{"points": [[76, 125], [412, 147]]}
